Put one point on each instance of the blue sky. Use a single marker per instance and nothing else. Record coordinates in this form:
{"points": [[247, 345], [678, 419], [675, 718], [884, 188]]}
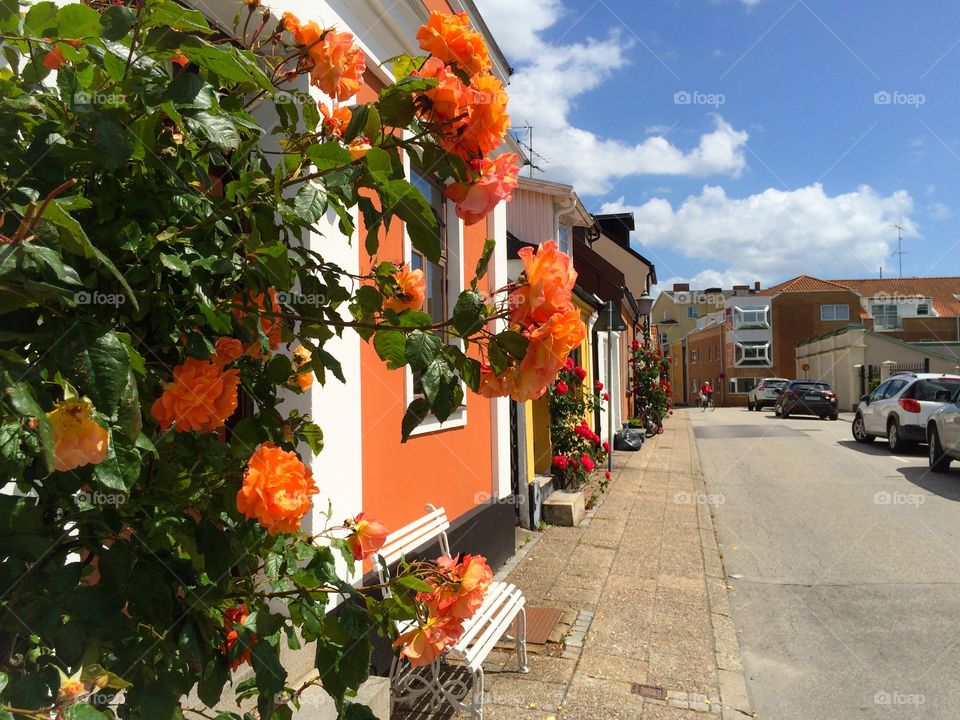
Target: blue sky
{"points": [[753, 140]]}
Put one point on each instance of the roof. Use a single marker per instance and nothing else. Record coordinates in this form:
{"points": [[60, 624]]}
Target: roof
{"points": [[804, 283], [885, 337], [942, 291], [617, 227]]}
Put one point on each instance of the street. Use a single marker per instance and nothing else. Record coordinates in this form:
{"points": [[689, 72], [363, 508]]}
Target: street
{"points": [[844, 567]]}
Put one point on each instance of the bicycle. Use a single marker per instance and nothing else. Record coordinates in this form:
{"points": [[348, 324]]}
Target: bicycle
{"points": [[652, 420], [707, 402]]}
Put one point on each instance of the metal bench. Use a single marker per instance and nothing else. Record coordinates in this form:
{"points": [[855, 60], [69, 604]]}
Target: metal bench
{"points": [[430, 687]]}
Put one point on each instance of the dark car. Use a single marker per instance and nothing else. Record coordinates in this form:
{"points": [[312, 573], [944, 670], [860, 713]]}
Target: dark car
{"points": [[807, 397]]}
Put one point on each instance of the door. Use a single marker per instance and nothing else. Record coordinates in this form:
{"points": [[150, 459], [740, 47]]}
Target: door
{"points": [[870, 412], [951, 426]]}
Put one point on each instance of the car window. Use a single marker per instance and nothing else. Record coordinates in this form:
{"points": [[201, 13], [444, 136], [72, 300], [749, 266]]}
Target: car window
{"points": [[930, 389], [810, 386], [879, 392], [775, 383], [893, 387]]}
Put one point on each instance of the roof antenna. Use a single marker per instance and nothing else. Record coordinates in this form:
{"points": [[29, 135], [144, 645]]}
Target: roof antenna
{"points": [[529, 147], [899, 252]]}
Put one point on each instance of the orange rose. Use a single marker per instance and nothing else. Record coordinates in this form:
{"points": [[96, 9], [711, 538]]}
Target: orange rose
{"points": [[277, 489], [358, 148], [271, 325], [304, 34], [228, 350], [424, 644], [366, 537], [450, 38], [449, 100], [462, 593], [489, 120], [493, 385], [179, 58], [411, 291], [335, 120], [78, 439], [497, 181], [338, 65], [550, 278], [231, 618], [54, 59], [201, 397], [550, 344]]}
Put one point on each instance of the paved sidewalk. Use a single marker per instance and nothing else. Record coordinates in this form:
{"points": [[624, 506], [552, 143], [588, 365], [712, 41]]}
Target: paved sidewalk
{"points": [[643, 588]]}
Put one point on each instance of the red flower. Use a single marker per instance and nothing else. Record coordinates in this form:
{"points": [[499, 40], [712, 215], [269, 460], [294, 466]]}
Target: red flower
{"points": [[607, 474], [606, 446], [562, 387], [599, 386], [570, 364], [366, 536], [606, 396], [636, 344], [232, 617], [587, 463], [580, 373], [560, 462]]}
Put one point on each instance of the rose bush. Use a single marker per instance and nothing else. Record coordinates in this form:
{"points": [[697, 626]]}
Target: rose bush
{"points": [[161, 300], [577, 449], [649, 380]]}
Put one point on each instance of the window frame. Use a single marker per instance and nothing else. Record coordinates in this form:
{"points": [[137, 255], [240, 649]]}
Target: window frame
{"points": [[834, 307], [739, 353], [885, 314], [735, 380], [740, 323]]}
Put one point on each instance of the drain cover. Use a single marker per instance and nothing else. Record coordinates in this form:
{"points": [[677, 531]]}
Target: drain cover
{"points": [[654, 692]]}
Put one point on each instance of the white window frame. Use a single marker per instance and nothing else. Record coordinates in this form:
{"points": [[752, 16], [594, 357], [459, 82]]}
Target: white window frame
{"points": [[735, 381], [833, 311], [740, 314], [692, 313], [564, 238], [885, 316], [455, 269], [926, 309], [740, 351]]}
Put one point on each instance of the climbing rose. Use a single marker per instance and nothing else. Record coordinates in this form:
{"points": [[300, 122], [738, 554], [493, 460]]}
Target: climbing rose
{"points": [[54, 59], [559, 461], [358, 148], [335, 120], [488, 122], [271, 324], [580, 373], [569, 365], [496, 182], [550, 278], [599, 386], [449, 37], [338, 65], [277, 489], [607, 474], [366, 536], [606, 446], [424, 644], [301, 358], [77, 438], [461, 591], [587, 463], [201, 397], [411, 291], [561, 387], [606, 396], [231, 618], [228, 349], [636, 344], [449, 99], [493, 385], [550, 344]]}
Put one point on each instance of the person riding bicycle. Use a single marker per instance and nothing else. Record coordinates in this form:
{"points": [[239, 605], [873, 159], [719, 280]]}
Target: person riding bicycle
{"points": [[706, 393]]}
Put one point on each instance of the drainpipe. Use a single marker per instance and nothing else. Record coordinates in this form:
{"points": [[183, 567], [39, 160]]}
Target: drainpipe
{"points": [[610, 384]]}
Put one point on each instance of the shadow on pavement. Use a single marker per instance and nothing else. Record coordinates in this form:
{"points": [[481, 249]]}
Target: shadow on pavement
{"points": [[946, 485], [879, 448]]}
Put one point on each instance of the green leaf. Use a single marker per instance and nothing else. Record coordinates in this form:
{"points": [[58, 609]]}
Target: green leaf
{"points": [[99, 366], [342, 661], [226, 61], [78, 21], [314, 436], [310, 202], [110, 141], [408, 203], [271, 677], [358, 712], [421, 349], [416, 413], [489, 245], [116, 22], [4, 679], [326, 360], [379, 163], [190, 90], [390, 346], [279, 369], [469, 313], [164, 13], [218, 129], [84, 711], [214, 677], [41, 20], [514, 343], [412, 582], [498, 358], [470, 372], [329, 155]]}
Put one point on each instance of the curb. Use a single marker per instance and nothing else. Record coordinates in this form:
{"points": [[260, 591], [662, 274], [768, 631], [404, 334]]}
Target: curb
{"points": [[734, 697]]}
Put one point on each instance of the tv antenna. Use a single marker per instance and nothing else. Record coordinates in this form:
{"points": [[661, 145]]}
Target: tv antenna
{"points": [[899, 252], [528, 146]]}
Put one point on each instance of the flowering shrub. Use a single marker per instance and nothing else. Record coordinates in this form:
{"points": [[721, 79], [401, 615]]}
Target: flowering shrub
{"points": [[649, 381], [577, 449], [159, 304]]}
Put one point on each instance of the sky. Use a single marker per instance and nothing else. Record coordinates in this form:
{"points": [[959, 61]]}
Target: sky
{"points": [[754, 140]]}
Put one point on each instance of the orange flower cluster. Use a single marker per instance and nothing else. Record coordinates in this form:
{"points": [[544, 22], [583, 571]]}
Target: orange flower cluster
{"points": [[542, 310], [277, 489], [449, 38], [366, 536], [411, 290], [78, 439], [495, 180], [456, 593], [231, 618], [201, 397], [335, 63]]}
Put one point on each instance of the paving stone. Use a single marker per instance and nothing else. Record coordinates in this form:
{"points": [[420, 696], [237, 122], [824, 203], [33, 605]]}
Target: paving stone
{"points": [[599, 663]]}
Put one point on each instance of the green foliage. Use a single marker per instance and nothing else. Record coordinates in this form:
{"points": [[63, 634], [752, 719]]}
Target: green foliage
{"points": [[577, 450], [649, 382]]}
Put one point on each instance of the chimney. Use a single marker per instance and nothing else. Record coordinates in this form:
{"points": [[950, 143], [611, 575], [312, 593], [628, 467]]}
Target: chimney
{"points": [[681, 287], [756, 286], [741, 287]]}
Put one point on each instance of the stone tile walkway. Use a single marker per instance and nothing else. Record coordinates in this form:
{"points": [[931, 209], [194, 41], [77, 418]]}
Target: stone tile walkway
{"points": [[643, 589]]}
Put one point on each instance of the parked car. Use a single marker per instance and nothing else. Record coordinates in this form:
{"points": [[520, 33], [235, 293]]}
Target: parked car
{"points": [[807, 397], [765, 394], [900, 408], [943, 435]]}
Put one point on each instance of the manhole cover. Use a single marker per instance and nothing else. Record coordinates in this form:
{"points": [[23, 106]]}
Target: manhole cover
{"points": [[654, 692], [540, 623]]}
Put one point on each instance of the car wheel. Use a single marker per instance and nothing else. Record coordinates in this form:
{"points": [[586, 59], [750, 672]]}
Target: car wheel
{"points": [[938, 460], [860, 433], [784, 413], [894, 441], [835, 417], [750, 406]]}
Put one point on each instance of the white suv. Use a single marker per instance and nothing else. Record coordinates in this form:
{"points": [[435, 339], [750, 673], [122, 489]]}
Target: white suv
{"points": [[900, 408], [765, 394], [943, 435]]}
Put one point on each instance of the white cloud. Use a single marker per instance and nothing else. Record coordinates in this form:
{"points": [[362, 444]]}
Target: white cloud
{"points": [[939, 211], [704, 279], [777, 234], [549, 80]]}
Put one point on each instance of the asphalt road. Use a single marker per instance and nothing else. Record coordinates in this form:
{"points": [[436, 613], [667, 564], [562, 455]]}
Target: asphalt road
{"points": [[849, 600]]}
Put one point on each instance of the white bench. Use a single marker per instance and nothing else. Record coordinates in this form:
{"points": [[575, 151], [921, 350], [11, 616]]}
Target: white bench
{"points": [[439, 684]]}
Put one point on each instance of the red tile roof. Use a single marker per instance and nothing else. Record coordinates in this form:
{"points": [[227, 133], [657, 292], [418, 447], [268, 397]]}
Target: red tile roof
{"points": [[804, 283], [942, 291]]}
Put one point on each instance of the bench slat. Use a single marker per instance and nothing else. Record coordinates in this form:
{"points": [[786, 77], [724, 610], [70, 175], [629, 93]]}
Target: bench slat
{"points": [[497, 593], [414, 535], [478, 653]]}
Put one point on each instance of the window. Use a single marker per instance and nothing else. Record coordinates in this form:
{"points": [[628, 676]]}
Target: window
{"points": [[563, 238], [885, 317], [893, 387], [752, 353], [435, 272], [879, 392], [664, 340], [923, 309], [751, 318], [692, 312], [743, 385], [939, 390], [834, 312]]}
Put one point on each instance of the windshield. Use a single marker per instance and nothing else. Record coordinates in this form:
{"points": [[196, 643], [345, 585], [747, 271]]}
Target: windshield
{"points": [[774, 383], [810, 386], [929, 390]]}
